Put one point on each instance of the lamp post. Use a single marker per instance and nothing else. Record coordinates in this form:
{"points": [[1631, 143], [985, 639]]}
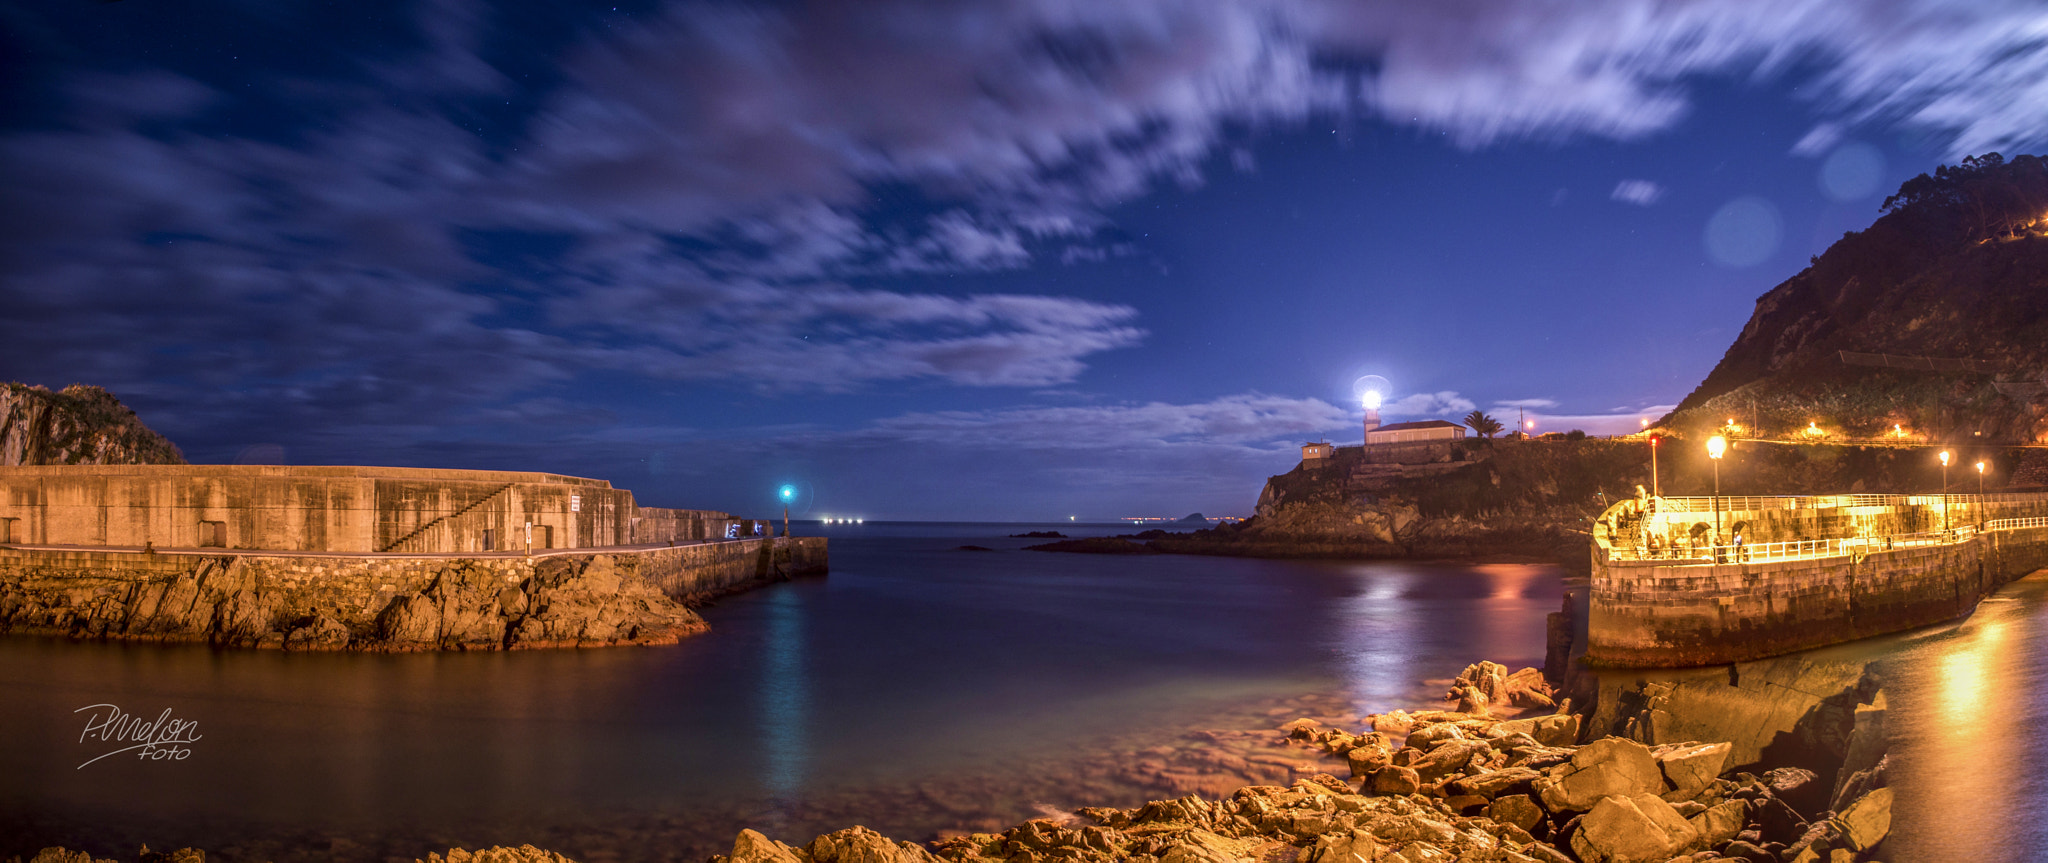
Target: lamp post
{"points": [[1944, 489], [1980, 494], [787, 493], [1716, 447], [1655, 489]]}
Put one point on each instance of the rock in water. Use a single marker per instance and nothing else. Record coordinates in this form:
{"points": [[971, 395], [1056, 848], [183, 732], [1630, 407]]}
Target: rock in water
{"points": [[1867, 820], [752, 847], [1690, 768], [498, 854], [1607, 767], [1638, 829]]}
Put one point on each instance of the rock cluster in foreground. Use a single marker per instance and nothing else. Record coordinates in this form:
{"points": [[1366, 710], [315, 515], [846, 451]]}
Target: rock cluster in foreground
{"points": [[1444, 786]]}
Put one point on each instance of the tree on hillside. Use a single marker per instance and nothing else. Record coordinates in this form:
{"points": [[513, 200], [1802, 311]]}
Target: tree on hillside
{"points": [[1485, 425], [1985, 196]]}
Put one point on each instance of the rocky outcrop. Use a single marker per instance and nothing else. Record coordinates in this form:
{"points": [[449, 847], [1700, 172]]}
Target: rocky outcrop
{"points": [[1432, 786], [566, 601], [77, 425], [1958, 299]]}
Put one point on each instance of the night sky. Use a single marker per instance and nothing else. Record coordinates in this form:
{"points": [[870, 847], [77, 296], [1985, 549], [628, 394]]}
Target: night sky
{"points": [[980, 261]]}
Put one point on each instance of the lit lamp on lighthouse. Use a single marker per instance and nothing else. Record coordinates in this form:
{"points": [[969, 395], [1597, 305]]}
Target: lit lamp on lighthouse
{"points": [[1372, 392]]}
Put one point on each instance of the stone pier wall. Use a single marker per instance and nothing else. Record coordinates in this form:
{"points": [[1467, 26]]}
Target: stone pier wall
{"points": [[1679, 613]]}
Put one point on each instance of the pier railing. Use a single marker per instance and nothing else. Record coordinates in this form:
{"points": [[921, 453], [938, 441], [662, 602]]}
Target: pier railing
{"points": [[1801, 549], [1625, 540], [1737, 503]]}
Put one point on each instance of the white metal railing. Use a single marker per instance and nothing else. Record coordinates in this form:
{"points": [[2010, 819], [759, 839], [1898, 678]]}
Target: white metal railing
{"points": [[2015, 523], [1733, 503], [1798, 549]]}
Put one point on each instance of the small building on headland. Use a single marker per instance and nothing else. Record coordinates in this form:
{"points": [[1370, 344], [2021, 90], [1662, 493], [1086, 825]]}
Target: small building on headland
{"points": [[1415, 432], [1315, 454], [336, 509]]}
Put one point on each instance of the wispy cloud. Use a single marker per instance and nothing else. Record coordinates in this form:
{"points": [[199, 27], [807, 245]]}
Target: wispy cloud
{"points": [[1443, 403], [1641, 193], [715, 177]]}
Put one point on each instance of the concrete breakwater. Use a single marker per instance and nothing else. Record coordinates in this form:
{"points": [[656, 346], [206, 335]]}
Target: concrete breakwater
{"points": [[1811, 571], [301, 601]]}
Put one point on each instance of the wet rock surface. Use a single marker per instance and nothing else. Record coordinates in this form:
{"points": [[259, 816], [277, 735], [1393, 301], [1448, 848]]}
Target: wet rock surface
{"points": [[570, 601]]}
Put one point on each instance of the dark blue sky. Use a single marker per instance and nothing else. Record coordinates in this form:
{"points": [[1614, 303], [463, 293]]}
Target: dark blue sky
{"points": [[1014, 260]]}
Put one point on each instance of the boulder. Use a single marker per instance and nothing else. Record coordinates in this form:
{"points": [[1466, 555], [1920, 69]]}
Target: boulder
{"points": [[1798, 787], [1777, 822], [1366, 759], [495, 854], [65, 855], [1607, 767], [1511, 781], [1430, 735], [323, 633], [1447, 758], [1690, 769], [1559, 730], [1720, 823], [1638, 829], [1867, 820], [1517, 809], [1395, 780], [861, 845], [1340, 847], [1396, 723], [753, 847]]}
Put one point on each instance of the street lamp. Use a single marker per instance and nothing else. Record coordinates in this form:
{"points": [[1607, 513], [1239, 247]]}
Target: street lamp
{"points": [[787, 493], [1655, 489], [1980, 493], [1944, 489], [1717, 446]]}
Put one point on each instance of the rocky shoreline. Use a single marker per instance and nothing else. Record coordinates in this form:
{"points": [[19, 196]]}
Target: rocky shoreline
{"points": [[234, 601], [1499, 776]]}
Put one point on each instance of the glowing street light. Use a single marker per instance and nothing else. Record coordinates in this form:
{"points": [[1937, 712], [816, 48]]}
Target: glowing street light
{"points": [[1717, 446], [788, 493], [1980, 491], [1944, 489], [1656, 490]]}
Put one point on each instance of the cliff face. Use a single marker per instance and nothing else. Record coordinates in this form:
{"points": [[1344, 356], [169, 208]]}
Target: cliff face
{"points": [[1956, 272], [78, 425]]}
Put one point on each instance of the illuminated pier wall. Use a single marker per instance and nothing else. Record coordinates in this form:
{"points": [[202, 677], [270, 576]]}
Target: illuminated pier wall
{"points": [[1899, 572]]}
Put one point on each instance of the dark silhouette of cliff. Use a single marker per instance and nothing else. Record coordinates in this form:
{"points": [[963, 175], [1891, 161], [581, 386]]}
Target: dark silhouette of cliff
{"points": [[77, 425], [1953, 278]]}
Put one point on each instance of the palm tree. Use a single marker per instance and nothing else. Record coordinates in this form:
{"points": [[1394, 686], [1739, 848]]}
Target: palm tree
{"points": [[1485, 425]]}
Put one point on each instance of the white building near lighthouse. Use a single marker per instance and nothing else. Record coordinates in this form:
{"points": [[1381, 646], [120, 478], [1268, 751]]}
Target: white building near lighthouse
{"points": [[1426, 430]]}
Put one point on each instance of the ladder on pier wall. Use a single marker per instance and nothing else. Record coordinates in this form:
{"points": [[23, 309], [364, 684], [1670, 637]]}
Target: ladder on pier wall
{"points": [[418, 532]]}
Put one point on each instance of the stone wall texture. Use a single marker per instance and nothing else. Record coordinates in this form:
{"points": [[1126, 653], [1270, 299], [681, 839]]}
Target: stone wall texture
{"points": [[330, 509], [1679, 613], [388, 602]]}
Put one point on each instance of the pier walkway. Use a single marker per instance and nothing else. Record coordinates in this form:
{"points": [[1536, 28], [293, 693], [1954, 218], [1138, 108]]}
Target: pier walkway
{"points": [[1704, 580]]}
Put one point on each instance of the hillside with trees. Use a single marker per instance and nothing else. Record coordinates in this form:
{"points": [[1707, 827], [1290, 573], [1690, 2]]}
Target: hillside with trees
{"points": [[1942, 304]]}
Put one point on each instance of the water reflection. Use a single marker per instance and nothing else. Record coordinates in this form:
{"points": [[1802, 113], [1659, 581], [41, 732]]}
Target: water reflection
{"points": [[785, 703], [916, 689], [1376, 625], [1967, 724]]}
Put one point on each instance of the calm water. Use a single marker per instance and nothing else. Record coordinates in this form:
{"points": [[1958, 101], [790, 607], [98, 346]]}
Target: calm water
{"points": [[912, 678], [916, 689]]}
